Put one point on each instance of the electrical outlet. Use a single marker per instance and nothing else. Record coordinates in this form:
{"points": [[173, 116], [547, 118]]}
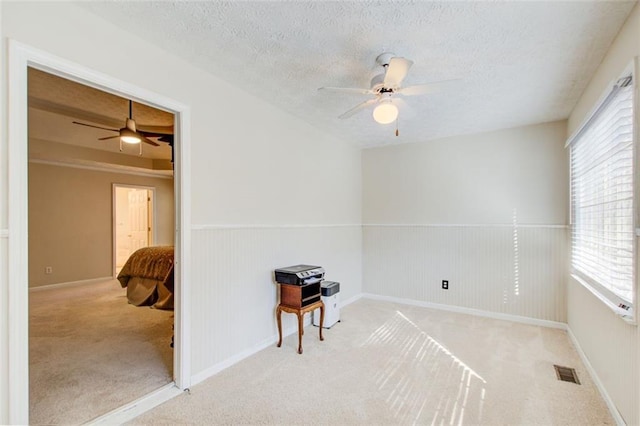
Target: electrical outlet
{"points": [[48, 270], [445, 284]]}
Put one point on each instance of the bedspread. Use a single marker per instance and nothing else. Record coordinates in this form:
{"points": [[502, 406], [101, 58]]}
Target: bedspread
{"points": [[148, 277]]}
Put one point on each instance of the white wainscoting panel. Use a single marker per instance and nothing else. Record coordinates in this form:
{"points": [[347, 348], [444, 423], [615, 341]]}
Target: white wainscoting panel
{"points": [[233, 292], [4, 321], [515, 270]]}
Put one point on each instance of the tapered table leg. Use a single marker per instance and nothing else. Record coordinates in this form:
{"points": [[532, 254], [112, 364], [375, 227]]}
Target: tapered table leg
{"points": [[279, 317], [300, 331], [321, 320], [299, 311]]}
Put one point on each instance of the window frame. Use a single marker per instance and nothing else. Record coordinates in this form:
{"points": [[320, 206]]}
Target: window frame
{"points": [[604, 294]]}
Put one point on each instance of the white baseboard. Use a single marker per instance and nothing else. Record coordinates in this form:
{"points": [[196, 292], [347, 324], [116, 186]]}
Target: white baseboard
{"points": [[594, 376], [70, 284], [215, 369], [351, 300], [470, 311], [133, 409]]}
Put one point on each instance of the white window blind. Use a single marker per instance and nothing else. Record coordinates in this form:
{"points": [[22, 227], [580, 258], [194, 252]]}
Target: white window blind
{"points": [[602, 188]]}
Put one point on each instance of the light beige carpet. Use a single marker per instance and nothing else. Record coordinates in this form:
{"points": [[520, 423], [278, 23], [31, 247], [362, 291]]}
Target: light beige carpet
{"points": [[392, 364], [91, 352]]}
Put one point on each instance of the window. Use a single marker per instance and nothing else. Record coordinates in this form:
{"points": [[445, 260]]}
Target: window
{"points": [[602, 199]]}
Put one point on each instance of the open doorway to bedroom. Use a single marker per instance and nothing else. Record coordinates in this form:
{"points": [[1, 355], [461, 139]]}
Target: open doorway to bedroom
{"points": [[93, 346]]}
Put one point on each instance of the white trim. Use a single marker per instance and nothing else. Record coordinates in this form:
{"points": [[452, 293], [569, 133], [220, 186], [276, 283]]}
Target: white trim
{"points": [[465, 225], [18, 268], [351, 300], [69, 284], [182, 244], [203, 227], [20, 57], [223, 365], [130, 411], [624, 315], [107, 168], [635, 70], [215, 369], [4, 233], [596, 380], [470, 311]]}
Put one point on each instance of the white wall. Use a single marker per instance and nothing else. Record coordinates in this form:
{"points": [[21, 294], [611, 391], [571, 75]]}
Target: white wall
{"points": [[486, 212], [249, 166], [488, 178], [4, 321], [610, 344]]}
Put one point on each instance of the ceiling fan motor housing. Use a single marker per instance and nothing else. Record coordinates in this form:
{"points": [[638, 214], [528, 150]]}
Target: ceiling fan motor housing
{"points": [[377, 83], [384, 58]]}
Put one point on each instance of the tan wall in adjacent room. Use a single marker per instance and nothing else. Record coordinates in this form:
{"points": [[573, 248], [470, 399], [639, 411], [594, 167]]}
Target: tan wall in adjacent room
{"points": [[70, 221]]}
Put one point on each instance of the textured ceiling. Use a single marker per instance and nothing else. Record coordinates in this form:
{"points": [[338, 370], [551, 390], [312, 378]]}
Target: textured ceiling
{"points": [[517, 63]]}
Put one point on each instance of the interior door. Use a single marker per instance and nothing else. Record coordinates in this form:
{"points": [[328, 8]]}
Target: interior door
{"points": [[133, 224], [122, 226], [138, 219]]}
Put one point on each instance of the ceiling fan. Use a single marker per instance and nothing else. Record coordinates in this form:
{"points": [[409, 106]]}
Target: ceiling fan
{"points": [[132, 135], [384, 87]]}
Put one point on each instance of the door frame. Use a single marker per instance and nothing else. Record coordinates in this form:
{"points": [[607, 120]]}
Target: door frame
{"points": [[152, 222], [20, 57]]}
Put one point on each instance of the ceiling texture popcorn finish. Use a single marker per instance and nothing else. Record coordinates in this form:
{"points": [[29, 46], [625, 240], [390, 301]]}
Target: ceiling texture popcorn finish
{"points": [[518, 63]]}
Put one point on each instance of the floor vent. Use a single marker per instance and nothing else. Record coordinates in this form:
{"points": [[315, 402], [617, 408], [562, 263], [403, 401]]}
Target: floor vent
{"points": [[566, 374]]}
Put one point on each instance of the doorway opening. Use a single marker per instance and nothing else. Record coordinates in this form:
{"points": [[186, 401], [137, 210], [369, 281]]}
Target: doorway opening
{"points": [[21, 59], [74, 239], [133, 221]]}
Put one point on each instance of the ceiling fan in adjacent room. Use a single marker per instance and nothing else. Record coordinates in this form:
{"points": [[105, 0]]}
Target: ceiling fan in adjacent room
{"points": [[384, 88], [131, 134]]}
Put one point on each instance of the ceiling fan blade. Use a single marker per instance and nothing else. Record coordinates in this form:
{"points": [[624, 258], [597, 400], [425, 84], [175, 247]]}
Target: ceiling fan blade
{"points": [[95, 127], [347, 90], [149, 141], [358, 108], [109, 137], [423, 89], [162, 130], [154, 134], [396, 71]]}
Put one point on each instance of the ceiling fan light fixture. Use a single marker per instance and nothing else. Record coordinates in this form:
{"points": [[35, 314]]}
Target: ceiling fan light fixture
{"points": [[128, 136], [385, 113]]}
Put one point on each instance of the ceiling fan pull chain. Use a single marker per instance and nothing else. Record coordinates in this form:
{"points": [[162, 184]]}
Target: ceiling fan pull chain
{"points": [[120, 139], [140, 153], [397, 133]]}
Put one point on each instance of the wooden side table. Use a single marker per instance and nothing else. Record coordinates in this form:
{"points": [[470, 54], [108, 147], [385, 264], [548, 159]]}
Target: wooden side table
{"points": [[293, 301]]}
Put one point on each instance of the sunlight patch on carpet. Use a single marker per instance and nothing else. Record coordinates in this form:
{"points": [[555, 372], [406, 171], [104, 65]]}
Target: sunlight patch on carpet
{"points": [[415, 358]]}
